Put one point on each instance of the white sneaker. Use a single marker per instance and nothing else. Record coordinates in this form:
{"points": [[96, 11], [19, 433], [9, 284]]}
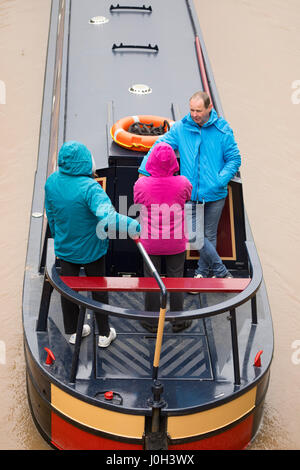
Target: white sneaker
{"points": [[85, 332], [198, 276], [105, 341]]}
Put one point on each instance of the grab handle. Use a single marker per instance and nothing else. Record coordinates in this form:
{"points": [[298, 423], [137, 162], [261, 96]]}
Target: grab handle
{"points": [[126, 7], [148, 48]]}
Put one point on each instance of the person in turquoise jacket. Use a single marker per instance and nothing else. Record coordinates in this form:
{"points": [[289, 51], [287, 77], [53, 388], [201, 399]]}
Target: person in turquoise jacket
{"points": [[209, 158], [81, 219]]}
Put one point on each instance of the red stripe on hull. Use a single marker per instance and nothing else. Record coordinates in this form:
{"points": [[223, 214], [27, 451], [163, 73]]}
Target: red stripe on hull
{"points": [[65, 436], [236, 438]]}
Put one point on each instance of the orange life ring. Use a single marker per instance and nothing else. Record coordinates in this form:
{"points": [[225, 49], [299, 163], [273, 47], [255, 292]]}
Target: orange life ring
{"points": [[141, 143]]}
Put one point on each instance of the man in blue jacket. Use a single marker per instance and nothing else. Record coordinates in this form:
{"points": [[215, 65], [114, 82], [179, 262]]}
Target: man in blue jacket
{"points": [[80, 216], [209, 158]]}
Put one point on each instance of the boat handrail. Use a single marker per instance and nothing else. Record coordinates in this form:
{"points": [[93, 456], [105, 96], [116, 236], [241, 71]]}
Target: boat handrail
{"points": [[52, 280], [52, 275]]}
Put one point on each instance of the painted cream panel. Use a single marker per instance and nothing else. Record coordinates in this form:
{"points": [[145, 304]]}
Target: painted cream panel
{"points": [[120, 424], [213, 419]]}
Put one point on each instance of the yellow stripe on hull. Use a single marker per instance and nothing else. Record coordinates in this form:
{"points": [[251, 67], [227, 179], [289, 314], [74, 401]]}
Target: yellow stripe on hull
{"points": [[180, 427], [133, 426], [100, 419]]}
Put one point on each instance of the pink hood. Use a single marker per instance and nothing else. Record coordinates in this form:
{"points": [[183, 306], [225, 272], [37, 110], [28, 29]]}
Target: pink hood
{"points": [[162, 161], [162, 197]]}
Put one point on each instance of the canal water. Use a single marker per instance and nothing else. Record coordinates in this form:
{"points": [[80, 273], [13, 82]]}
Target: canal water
{"points": [[254, 50]]}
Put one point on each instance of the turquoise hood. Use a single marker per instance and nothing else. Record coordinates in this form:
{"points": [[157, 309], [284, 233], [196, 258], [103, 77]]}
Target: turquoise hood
{"points": [[75, 159], [80, 214]]}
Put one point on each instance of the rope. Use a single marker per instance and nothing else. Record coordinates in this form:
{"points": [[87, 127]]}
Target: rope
{"points": [[140, 128]]}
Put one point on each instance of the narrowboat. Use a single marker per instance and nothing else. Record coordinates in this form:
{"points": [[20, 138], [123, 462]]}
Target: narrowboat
{"points": [[200, 388]]}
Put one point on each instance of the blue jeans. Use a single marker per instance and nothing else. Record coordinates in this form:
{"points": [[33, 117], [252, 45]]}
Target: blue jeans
{"points": [[209, 259]]}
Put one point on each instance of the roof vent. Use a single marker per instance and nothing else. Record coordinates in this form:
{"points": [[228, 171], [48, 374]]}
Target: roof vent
{"points": [[140, 89], [98, 20]]}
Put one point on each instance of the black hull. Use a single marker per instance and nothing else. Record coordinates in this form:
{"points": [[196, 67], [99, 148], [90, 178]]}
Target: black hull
{"points": [[64, 432]]}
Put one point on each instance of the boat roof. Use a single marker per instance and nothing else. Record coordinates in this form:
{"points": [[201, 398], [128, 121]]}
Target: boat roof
{"points": [[99, 77]]}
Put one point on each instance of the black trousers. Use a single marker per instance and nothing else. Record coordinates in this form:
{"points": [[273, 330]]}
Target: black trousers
{"points": [[174, 268], [71, 310]]}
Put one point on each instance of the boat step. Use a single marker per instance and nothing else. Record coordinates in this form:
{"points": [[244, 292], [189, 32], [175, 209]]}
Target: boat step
{"points": [[148, 284]]}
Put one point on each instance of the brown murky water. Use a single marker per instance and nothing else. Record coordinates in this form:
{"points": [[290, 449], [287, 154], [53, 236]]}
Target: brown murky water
{"points": [[23, 42], [254, 49]]}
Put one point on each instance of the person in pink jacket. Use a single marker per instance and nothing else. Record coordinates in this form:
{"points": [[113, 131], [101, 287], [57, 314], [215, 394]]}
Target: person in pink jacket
{"points": [[162, 197]]}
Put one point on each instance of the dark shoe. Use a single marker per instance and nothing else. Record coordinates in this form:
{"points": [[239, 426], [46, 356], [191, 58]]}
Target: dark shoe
{"points": [[228, 276], [149, 326], [179, 326], [197, 276]]}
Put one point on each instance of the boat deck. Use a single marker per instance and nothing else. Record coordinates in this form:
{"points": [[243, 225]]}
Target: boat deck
{"points": [[198, 361]]}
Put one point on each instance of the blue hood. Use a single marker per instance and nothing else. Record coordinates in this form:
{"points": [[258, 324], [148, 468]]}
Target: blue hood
{"points": [[75, 159], [213, 119]]}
